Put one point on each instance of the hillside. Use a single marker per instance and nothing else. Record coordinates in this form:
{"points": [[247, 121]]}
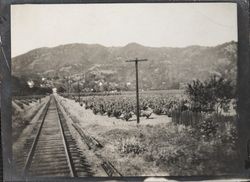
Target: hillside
{"points": [[165, 67]]}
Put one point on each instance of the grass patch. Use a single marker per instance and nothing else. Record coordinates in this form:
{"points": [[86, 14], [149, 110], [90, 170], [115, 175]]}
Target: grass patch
{"points": [[173, 149]]}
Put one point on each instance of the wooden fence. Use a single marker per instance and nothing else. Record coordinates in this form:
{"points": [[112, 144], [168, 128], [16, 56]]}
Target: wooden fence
{"points": [[187, 118]]}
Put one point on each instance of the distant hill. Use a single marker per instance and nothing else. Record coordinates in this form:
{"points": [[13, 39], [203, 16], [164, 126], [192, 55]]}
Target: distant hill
{"points": [[165, 67]]}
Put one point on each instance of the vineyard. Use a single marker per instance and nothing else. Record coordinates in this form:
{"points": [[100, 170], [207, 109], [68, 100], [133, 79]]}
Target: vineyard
{"points": [[121, 105], [24, 109], [26, 101], [177, 106]]}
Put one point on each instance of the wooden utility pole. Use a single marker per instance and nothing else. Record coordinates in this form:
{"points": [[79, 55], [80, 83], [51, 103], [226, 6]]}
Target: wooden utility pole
{"points": [[137, 87], [68, 84], [78, 88]]}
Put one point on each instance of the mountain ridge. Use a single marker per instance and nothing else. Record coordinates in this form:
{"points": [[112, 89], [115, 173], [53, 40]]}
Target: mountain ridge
{"points": [[169, 65], [195, 45]]}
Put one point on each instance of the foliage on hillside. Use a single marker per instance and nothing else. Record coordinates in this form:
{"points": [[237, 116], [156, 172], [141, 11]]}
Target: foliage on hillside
{"points": [[168, 67]]}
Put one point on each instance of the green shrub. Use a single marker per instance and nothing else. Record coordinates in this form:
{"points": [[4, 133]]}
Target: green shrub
{"points": [[207, 128], [182, 150], [211, 94], [131, 146]]}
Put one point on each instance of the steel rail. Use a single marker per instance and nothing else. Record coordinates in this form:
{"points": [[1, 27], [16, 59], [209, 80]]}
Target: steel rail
{"points": [[34, 144], [66, 147]]}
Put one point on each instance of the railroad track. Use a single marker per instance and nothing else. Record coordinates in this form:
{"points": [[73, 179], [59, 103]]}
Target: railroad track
{"points": [[53, 151]]}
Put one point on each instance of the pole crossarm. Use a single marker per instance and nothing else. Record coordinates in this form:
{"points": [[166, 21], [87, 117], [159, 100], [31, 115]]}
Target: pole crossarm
{"points": [[138, 60]]}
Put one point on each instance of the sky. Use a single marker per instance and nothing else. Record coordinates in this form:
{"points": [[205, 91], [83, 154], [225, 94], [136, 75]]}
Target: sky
{"points": [[155, 25]]}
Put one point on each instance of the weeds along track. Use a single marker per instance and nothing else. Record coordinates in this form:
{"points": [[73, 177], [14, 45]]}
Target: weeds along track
{"points": [[53, 151], [93, 143]]}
